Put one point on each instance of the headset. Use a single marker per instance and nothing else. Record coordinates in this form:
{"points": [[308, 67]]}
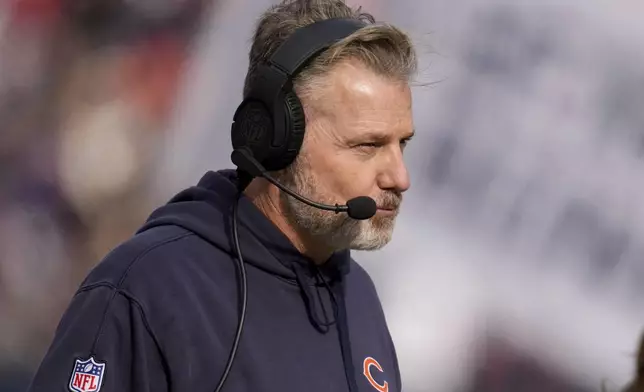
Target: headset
{"points": [[268, 130], [270, 123]]}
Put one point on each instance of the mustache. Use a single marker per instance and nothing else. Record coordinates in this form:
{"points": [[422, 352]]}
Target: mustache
{"points": [[389, 201]]}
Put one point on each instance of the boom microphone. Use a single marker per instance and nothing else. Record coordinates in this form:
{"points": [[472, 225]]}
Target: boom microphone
{"points": [[359, 208]]}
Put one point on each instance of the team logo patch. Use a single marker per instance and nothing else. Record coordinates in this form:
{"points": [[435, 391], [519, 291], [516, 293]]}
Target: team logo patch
{"points": [[368, 364], [87, 376]]}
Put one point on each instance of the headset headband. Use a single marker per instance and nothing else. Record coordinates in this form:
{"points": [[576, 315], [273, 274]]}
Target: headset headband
{"points": [[309, 41], [275, 77]]}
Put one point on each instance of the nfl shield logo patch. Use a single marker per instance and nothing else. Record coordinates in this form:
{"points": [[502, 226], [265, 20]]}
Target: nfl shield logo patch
{"points": [[87, 376]]}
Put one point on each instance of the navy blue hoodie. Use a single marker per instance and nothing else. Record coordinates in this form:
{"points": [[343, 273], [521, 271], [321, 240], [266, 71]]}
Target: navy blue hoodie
{"points": [[160, 312]]}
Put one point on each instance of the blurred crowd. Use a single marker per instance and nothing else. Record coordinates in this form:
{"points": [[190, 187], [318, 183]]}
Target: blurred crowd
{"points": [[528, 160], [85, 92]]}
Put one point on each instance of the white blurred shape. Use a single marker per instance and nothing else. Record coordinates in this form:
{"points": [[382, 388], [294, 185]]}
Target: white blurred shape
{"points": [[98, 156], [432, 301]]}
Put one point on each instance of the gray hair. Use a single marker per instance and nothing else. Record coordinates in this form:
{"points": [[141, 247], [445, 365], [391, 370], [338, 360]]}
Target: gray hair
{"points": [[381, 47]]}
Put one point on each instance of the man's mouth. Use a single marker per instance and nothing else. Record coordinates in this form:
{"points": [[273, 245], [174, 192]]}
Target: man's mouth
{"points": [[389, 206], [388, 210]]}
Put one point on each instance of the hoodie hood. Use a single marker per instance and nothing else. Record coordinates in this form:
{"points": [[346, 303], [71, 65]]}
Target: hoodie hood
{"points": [[206, 210]]}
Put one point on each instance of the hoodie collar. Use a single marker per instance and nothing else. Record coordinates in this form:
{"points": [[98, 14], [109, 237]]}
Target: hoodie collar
{"points": [[206, 210]]}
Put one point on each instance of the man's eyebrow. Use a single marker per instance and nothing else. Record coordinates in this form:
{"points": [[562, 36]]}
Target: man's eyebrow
{"points": [[381, 136]]}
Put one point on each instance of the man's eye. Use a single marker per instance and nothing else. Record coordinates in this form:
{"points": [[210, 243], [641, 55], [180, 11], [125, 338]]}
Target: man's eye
{"points": [[368, 145]]}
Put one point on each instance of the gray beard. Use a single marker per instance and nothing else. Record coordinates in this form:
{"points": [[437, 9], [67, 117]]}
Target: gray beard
{"points": [[334, 231]]}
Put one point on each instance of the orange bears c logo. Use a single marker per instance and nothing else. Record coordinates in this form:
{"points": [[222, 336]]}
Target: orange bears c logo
{"points": [[368, 363]]}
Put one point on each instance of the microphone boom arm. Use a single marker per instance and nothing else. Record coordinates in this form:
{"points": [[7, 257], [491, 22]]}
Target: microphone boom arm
{"points": [[361, 207]]}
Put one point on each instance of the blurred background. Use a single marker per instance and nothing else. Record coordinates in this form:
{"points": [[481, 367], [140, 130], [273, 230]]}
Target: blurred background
{"points": [[518, 259]]}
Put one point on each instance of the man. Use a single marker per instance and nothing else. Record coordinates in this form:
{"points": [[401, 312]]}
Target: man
{"points": [[161, 311]]}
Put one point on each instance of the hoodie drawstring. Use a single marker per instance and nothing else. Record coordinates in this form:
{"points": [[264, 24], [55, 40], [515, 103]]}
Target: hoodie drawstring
{"points": [[345, 341], [339, 317], [309, 301]]}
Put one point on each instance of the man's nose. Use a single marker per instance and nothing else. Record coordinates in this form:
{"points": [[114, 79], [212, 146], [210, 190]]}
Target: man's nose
{"points": [[394, 175]]}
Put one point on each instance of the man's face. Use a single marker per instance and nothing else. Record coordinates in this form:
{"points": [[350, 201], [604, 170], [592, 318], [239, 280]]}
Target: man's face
{"points": [[357, 127]]}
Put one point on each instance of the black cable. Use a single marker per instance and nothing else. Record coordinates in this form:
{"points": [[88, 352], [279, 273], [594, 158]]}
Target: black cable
{"points": [[244, 296]]}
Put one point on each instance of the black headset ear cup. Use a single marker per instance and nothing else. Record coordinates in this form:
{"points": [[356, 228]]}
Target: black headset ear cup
{"points": [[296, 126], [252, 128]]}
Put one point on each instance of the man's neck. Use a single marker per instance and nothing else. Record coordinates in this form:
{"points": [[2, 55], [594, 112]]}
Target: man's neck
{"points": [[266, 198]]}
